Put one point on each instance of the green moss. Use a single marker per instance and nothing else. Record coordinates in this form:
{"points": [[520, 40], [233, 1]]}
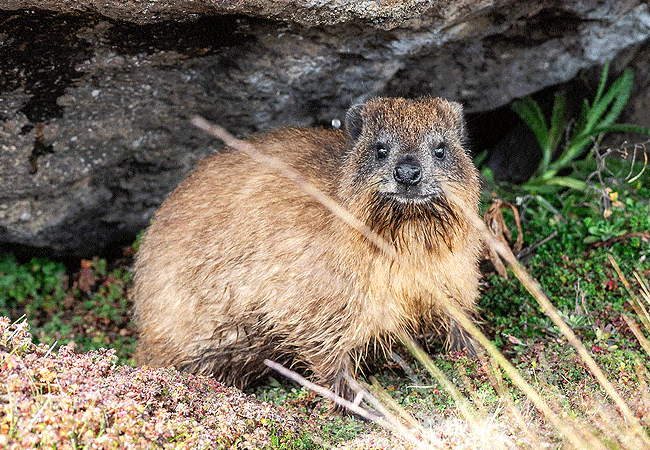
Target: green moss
{"points": [[573, 267], [89, 307]]}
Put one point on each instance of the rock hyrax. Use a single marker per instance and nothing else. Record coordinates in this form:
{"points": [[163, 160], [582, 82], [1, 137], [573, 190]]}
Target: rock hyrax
{"points": [[240, 264]]}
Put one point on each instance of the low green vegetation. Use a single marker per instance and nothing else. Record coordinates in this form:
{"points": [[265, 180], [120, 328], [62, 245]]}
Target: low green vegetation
{"points": [[568, 239], [563, 142], [89, 307], [573, 265]]}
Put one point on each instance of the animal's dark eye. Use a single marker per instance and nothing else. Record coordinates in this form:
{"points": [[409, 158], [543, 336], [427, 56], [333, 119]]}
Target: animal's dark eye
{"points": [[439, 150], [381, 150]]}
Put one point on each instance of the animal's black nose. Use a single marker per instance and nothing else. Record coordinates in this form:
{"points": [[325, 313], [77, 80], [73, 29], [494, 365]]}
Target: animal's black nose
{"points": [[408, 172]]}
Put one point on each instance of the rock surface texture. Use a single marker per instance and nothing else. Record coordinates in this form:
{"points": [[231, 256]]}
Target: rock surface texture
{"points": [[95, 96]]}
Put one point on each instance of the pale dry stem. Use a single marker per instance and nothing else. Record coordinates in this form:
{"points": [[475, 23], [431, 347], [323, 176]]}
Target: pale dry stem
{"points": [[287, 171], [392, 405], [497, 381], [638, 305], [578, 437], [393, 425], [536, 291], [465, 408], [637, 333]]}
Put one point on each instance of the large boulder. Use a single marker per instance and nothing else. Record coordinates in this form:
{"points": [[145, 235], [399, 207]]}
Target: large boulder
{"points": [[95, 96]]}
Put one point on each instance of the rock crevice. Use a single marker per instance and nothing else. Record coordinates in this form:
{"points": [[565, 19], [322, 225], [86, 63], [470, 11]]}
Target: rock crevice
{"points": [[95, 97]]}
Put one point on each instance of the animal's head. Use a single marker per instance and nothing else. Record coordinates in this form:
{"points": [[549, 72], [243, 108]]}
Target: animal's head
{"points": [[406, 154]]}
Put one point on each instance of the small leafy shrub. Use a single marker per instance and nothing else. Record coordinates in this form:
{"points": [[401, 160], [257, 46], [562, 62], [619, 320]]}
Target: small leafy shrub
{"points": [[90, 307], [64, 400], [36, 289], [574, 269], [596, 119]]}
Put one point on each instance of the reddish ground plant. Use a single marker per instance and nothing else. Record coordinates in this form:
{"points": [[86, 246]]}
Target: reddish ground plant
{"points": [[68, 400]]}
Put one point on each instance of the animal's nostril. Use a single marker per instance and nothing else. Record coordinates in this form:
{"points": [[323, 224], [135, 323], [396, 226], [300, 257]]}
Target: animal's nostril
{"points": [[408, 172]]}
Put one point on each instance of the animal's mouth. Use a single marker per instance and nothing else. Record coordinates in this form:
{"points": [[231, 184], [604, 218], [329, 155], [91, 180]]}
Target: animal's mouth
{"points": [[400, 216], [407, 205], [414, 196], [410, 197]]}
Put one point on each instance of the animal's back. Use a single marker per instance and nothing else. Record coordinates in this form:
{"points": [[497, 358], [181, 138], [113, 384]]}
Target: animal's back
{"points": [[233, 269]]}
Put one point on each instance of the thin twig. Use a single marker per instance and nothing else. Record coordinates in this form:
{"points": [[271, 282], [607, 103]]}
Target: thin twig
{"points": [[629, 177], [531, 248], [622, 237], [393, 426], [328, 394], [49, 351], [287, 171], [577, 437], [536, 291]]}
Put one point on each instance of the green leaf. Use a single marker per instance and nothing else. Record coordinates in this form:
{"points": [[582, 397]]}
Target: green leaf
{"points": [[569, 182], [602, 83], [539, 187], [616, 92], [622, 89], [582, 120], [558, 125], [480, 158], [577, 148], [488, 175], [623, 127], [619, 94], [530, 112], [550, 185], [573, 151]]}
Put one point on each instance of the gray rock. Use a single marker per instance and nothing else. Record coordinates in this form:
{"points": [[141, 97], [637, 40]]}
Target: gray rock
{"points": [[94, 128], [375, 13]]}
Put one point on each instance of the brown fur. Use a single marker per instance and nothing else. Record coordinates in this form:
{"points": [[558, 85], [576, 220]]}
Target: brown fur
{"points": [[240, 264]]}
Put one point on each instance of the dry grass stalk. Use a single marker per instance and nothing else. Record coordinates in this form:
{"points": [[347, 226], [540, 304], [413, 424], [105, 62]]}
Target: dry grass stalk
{"points": [[536, 291], [645, 291], [638, 306], [645, 164], [415, 436], [637, 333], [499, 386], [460, 400], [643, 377], [285, 170], [493, 217], [385, 399], [570, 433], [578, 437]]}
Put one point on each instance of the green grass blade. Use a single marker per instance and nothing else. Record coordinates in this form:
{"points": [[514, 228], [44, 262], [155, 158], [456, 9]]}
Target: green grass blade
{"points": [[602, 83], [553, 185], [569, 182], [615, 92], [599, 109], [574, 150], [577, 146], [558, 125], [622, 127], [530, 112], [582, 120], [621, 96], [480, 158], [540, 188]]}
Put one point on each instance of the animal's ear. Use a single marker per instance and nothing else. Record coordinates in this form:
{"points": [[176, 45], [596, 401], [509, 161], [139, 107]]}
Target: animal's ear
{"points": [[459, 120], [354, 121]]}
